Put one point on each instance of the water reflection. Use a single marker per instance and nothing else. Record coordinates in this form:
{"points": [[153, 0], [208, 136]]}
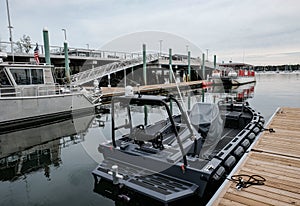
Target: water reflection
{"points": [[36, 149], [239, 93]]}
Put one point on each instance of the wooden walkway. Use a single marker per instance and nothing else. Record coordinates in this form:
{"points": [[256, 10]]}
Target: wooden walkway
{"points": [[108, 92], [276, 157]]}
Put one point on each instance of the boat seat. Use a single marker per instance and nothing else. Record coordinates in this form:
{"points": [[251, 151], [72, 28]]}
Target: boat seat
{"points": [[151, 133]]}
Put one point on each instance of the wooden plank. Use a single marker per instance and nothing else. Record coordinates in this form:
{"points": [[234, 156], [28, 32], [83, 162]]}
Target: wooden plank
{"points": [[276, 168], [248, 196], [270, 193], [271, 158], [276, 157], [230, 202], [274, 177], [111, 91], [244, 199]]}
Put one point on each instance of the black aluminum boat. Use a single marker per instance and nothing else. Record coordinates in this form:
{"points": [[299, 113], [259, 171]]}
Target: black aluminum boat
{"points": [[161, 152]]}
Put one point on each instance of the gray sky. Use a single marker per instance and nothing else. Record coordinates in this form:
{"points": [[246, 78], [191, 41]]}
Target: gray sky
{"points": [[259, 32]]}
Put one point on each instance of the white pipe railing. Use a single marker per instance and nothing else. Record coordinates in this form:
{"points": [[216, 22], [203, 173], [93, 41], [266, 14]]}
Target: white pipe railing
{"points": [[36, 90], [59, 50]]}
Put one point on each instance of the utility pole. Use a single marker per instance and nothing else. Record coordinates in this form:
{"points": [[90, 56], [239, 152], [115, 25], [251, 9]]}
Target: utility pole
{"points": [[10, 31]]}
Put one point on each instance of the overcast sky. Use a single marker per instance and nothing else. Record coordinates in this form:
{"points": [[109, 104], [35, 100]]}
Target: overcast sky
{"points": [[259, 32]]}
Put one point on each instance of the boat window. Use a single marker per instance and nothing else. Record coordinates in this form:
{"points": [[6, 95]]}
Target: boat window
{"points": [[37, 76], [4, 81], [28, 76], [147, 114], [21, 76]]}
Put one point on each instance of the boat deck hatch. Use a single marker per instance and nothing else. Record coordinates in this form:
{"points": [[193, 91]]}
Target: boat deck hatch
{"points": [[162, 187], [158, 186]]}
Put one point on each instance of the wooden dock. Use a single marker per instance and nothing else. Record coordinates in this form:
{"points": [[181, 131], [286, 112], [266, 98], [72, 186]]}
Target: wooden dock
{"points": [[108, 92], [276, 157]]}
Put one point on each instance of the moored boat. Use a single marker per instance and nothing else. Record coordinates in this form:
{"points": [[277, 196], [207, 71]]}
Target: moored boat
{"points": [[168, 155], [237, 73], [28, 94]]}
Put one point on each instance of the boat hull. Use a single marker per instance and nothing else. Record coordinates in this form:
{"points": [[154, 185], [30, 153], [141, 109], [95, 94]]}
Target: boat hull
{"points": [[238, 80], [18, 111]]}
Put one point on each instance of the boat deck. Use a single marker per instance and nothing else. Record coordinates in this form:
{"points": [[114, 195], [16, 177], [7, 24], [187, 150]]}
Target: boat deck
{"points": [[276, 157]]}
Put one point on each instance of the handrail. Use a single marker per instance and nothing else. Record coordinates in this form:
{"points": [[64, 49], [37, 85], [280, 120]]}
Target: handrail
{"points": [[82, 52], [36, 90], [98, 72]]}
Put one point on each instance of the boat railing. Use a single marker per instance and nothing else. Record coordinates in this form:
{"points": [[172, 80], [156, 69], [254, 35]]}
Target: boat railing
{"points": [[36, 90]]}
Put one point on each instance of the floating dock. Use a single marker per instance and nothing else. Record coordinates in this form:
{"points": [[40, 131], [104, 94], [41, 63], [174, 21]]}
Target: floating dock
{"points": [[109, 92], [275, 157]]}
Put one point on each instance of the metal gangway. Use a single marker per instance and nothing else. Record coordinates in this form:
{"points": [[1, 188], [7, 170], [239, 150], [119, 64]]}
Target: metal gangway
{"points": [[107, 69]]}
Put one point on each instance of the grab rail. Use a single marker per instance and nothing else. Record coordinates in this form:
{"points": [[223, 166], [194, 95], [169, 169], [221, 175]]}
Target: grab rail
{"points": [[36, 90]]}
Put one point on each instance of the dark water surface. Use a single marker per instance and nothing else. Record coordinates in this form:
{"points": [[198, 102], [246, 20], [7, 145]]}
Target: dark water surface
{"points": [[52, 164]]}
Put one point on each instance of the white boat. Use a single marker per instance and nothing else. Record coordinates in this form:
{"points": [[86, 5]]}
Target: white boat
{"points": [[232, 77], [28, 94], [237, 73]]}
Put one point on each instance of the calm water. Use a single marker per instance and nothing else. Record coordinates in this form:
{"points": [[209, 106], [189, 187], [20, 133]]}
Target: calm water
{"points": [[52, 165]]}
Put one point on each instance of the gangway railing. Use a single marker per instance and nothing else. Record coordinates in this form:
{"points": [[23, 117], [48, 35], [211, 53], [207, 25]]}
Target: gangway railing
{"points": [[107, 69]]}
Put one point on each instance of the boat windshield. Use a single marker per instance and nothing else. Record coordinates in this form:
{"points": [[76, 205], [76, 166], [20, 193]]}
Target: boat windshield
{"points": [[27, 76], [133, 115], [148, 114], [4, 81]]}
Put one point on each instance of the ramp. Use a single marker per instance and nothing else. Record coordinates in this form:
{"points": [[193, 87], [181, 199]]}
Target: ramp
{"points": [[101, 71]]}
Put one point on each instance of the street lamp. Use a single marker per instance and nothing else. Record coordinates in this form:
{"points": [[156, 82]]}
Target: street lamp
{"points": [[65, 33], [160, 46], [207, 55]]}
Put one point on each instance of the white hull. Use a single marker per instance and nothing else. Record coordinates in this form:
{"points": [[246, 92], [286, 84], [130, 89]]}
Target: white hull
{"points": [[242, 80], [233, 80], [14, 109]]}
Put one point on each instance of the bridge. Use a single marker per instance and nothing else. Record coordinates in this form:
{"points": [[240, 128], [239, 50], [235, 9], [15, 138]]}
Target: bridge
{"points": [[107, 69]]}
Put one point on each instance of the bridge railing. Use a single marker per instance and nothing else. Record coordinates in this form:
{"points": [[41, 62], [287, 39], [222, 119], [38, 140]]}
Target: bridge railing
{"points": [[59, 50]]}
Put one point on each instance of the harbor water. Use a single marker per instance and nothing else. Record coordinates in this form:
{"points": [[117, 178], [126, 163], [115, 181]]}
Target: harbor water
{"points": [[52, 164]]}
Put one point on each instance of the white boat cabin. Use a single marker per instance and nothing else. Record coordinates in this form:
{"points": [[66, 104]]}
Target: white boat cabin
{"points": [[26, 80]]}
